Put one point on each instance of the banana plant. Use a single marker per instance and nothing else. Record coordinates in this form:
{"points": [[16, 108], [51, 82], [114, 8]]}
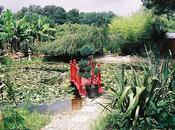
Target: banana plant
{"points": [[14, 32], [41, 30], [7, 33], [22, 32]]}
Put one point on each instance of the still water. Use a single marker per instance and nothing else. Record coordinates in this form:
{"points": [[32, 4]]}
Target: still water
{"points": [[66, 105]]}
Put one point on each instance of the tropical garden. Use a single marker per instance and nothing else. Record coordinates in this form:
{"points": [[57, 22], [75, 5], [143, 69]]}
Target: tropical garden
{"points": [[37, 43]]}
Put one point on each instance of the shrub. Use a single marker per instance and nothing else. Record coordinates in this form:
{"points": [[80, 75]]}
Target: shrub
{"points": [[129, 31], [84, 69], [83, 63], [22, 119], [96, 70], [71, 38], [86, 50], [6, 60]]}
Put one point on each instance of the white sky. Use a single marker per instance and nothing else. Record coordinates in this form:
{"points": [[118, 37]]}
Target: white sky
{"points": [[120, 7]]}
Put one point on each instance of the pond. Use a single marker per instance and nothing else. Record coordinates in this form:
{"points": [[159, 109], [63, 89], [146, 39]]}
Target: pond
{"points": [[66, 105]]}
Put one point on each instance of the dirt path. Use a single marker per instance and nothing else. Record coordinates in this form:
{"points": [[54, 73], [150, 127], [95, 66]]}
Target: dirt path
{"points": [[118, 59], [80, 120]]}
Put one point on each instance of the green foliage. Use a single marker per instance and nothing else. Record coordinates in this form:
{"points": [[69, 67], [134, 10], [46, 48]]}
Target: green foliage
{"points": [[129, 31], [35, 120], [164, 22], [22, 119], [13, 121], [108, 121], [22, 33], [171, 25], [161, 25], [97, 19], [83, 63], [84, 69], [96, 70], [1, 69], [6, 60], [88, 68], [18, 33], [144, 99], [7, 33], [86, 75], [160, 6], [73, 16], [86, 51], [34, 83], [40, 30], [14, 32], [60, 16], [71, 38]]}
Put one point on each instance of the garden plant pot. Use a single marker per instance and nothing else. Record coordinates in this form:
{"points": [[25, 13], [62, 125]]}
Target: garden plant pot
{"points": [[92, 91]]}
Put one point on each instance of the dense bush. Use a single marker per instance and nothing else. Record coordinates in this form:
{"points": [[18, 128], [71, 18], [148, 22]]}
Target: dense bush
{"points": [[86, 51], [170, 24], [70, 39], [22, 119], [161, 25], [126, 32], [6, 60]]}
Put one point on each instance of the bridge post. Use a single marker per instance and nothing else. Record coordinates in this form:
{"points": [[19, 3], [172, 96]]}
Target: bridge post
{"points": [[99, 76], [71, 72], [74, 70]]}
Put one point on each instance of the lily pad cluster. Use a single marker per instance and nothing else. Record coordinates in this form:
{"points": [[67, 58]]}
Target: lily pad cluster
{"points": [[109, 73], [37, 83]]}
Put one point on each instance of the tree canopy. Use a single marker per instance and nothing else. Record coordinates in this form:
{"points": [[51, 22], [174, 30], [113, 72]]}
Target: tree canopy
{"points": [[59, 15], [160, 6], [73, 16]]}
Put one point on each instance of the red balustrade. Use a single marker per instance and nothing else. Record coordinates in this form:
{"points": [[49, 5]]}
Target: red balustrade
{"points": [[81, 82]]}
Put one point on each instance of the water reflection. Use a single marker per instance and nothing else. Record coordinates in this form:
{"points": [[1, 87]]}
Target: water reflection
{"points": [[77, 103], [66, 105]]}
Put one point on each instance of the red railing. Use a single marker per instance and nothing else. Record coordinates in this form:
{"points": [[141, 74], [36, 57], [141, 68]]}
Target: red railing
{"points": [[80, 82]]}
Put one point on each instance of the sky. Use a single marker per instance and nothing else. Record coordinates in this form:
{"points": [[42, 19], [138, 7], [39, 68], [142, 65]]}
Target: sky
{"points": [[119, 7]]}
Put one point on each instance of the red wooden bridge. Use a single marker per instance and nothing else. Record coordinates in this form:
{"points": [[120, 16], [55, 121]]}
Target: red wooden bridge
{"points": [[80, 82]]}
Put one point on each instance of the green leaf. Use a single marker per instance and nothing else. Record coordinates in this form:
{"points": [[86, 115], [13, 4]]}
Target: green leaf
{"points": [[122, 97], [134, 101]]}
